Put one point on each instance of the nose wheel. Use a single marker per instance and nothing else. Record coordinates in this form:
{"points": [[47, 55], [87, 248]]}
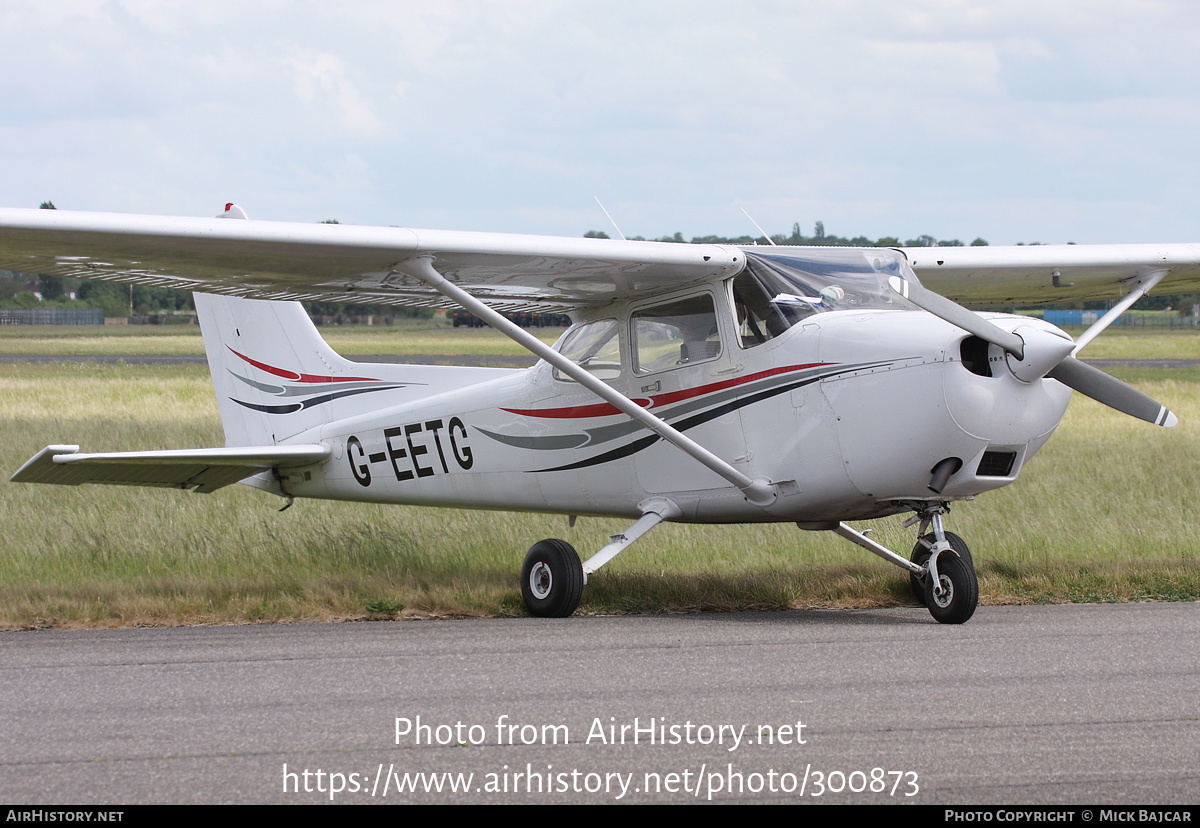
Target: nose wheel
{"points": [[958, 597], [941, 572], [946, 584], [920, 556]]}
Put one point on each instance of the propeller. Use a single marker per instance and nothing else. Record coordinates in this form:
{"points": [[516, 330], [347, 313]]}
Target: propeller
{"points": [[1038, 353], [1102, 387]]}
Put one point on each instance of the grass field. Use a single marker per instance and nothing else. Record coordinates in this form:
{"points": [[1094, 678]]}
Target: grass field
{"points": [[1106, 512], [407, 336], [436, 336]]}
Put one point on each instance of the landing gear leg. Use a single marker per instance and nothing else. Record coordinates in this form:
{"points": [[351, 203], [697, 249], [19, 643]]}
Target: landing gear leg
{"points": [[947, 584], [941, 572]]}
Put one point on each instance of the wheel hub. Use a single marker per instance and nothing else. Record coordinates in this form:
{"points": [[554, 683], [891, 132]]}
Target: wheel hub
{"points": [[540, 580], [946, 595]]}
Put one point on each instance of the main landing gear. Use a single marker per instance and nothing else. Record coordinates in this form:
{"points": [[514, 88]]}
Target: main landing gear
{"points": [[552, 579], [941, 571]]}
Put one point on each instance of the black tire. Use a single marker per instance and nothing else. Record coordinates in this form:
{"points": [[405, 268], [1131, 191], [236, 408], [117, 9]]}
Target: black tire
{"points": [[962, 591], [920, 555], [552, 579]]}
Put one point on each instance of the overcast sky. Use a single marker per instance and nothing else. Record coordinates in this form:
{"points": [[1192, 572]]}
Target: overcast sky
{"points": [[1016, 121]]}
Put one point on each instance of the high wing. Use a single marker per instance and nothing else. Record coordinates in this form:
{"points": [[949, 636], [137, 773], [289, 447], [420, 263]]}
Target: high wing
{"points": [[366, 265], [1047, 274], [345, 263]]}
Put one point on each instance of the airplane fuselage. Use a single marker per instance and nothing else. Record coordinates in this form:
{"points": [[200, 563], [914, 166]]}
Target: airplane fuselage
{"points": [[848, 413]]}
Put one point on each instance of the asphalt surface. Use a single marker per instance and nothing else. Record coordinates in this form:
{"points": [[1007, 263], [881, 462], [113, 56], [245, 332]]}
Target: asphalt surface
{"points": [[1082, 704]]}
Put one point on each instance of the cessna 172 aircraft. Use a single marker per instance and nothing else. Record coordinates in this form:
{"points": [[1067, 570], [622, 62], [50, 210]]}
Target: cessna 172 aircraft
{"points": [[698, 383]]}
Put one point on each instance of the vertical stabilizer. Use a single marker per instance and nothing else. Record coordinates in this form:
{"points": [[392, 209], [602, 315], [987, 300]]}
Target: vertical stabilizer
{"points": [[275, 377], [273, 373]]}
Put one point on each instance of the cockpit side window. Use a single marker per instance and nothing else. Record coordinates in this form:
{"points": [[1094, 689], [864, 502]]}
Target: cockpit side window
{"points": [[676, 333], [595, 346]]}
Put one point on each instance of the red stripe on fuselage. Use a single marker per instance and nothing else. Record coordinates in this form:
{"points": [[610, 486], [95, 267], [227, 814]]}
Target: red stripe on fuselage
{"points": [[292, 375], [607, 410], [576, 411]]}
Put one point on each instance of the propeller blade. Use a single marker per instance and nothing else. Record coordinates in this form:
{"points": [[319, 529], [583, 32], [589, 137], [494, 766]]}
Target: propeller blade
{"points": [[957, 315], [1107, 389]]}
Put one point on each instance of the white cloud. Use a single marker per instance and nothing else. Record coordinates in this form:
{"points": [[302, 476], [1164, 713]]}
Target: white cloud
{"points": [[940, 117], [321, 79]]}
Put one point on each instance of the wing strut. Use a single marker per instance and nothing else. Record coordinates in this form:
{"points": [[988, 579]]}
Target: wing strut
{"points": [[1139, 288], [760, 492]]}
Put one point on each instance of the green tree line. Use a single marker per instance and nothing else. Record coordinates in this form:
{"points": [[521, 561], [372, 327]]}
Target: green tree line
{"points": [[818, 238], [21, 291]]}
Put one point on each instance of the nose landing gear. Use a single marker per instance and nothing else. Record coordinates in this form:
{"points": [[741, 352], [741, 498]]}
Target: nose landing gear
{"points": [[946, 584], [941, 571]]}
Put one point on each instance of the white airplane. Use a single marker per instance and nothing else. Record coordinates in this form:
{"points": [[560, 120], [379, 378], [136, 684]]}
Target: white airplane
{"points": [[698, 383]]}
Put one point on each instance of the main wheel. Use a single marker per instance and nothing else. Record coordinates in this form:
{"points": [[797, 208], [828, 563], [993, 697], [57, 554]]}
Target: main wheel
{"points": [[961, 591], [920, 555], [552, 579]]}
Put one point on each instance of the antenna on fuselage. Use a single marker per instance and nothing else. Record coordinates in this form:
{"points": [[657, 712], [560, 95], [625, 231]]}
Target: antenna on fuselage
{"points": [[755, 223], [610, 219]]}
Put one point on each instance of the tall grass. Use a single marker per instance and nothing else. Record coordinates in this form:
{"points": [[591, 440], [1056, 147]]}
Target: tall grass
{"points": [[1122, 342], [435, 336], [406, 336], [1107, 511]]}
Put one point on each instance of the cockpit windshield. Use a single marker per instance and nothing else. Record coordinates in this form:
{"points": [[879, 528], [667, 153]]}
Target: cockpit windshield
{"points": [[779, 289]]}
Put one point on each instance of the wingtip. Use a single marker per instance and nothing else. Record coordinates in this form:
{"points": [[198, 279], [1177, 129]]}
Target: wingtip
{"points": [[1167, 419]]}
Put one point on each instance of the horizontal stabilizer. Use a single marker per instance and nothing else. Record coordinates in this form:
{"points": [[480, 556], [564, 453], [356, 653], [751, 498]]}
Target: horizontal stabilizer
{"points": [[204, 470]]}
